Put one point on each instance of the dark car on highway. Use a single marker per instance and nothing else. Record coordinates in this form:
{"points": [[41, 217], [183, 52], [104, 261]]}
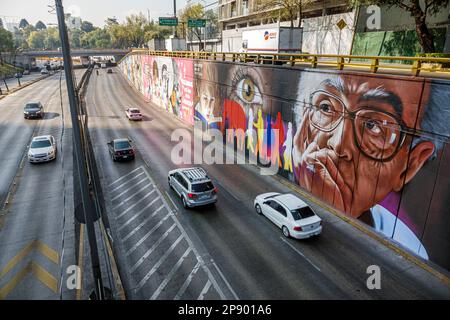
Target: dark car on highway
{"points": [[121, 149], [33, 110], [109, 71]]}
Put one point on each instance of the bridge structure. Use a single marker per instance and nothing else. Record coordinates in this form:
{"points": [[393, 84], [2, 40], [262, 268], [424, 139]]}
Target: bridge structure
{"points": [[77, 53], [27, 58]]}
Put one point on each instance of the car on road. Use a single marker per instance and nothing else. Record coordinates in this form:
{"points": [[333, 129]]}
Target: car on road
{"points": [[44, 71], [121, 149], [291, 214], [26, 72], [193, 186], [33, 110], [42, 149], [103, 65], [109, 71], [133, 114]]}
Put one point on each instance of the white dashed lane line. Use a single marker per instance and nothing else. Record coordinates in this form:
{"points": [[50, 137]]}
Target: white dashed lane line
{"points": [[146, 224]]}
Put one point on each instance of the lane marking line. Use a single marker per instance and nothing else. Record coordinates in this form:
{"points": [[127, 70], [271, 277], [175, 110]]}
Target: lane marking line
{"points": [[123, 177], [48, 252], [128, 181], [171, 200], [151, 249], [39, 272], [205, 290], [190, 243], [132, 232], [128, 189], [301, 254], [135, 204], [131, 197], [80, 261], [148, 234], [226, 281], [170, 274], [187, 282], [159, 263], [372, 234]]}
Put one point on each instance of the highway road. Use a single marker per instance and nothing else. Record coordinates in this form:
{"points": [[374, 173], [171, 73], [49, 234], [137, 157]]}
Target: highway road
{"points": [[12, 83], [226, 251], [36, 224]]}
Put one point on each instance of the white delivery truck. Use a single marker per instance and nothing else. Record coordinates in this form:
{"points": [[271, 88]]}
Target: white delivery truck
{"points": [[272, 40]]}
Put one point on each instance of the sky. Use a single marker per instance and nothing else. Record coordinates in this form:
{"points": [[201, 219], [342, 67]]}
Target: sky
{"points": [[95, 11]]}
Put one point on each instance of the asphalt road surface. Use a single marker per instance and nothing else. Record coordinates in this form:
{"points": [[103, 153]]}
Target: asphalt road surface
{"points": [[36, 217], [226, 251]]}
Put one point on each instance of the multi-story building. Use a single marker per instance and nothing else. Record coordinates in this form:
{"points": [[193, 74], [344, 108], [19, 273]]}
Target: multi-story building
{"points": [[319, 23]]}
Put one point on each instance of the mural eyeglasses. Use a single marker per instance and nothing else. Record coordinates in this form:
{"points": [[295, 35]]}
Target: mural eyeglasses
{"points": [[378, 134]]}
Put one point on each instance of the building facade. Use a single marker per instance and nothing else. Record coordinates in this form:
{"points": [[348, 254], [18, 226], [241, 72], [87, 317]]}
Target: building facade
{"points": [[319, 22]]}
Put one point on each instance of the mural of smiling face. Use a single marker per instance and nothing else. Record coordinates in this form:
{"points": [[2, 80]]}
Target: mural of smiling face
{"points": [[350, 147]]}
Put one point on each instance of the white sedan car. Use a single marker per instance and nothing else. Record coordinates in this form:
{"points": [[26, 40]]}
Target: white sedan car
{"points": [[42, 149], [295, 218], [133, 114]]}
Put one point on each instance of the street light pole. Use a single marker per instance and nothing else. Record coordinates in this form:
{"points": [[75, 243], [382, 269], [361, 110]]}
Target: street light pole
{"points": [[87, 205], [174, 15]]}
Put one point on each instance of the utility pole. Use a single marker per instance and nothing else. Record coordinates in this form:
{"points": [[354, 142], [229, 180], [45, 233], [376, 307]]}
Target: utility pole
{"points": [[80, 157], [175, 15]]}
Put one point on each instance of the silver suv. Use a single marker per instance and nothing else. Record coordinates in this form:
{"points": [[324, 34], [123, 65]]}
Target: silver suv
{"points": [[193, 186]]}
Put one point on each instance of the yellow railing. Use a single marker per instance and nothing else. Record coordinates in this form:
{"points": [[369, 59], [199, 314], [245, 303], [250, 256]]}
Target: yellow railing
{"points": [[412, 65]]}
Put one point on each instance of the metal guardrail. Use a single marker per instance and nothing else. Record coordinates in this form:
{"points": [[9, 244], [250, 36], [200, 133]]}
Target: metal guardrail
{"points": [[413, 65]]}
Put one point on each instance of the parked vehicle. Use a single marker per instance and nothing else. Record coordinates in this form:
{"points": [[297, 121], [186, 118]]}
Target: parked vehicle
{"points": [[273, 40], [193, 186], [121, 149], [42, 149], [291, 214], [44, 71], [133, 114], [33, 110], [26, 72]]}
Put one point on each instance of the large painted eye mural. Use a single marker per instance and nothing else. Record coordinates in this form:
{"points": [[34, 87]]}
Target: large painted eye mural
{"points": [[367, 145]]}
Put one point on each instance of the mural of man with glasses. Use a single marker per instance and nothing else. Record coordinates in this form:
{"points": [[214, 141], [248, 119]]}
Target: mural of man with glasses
{"points": [[354, 144]]}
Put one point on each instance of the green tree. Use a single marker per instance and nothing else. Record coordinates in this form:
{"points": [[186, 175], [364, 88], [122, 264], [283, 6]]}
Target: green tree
{"points": [[75, 38], [193, 11], [98, 38], [40, 25], [419, 10], [87, 26], [6, 40], [52, 40], [36, 40]]}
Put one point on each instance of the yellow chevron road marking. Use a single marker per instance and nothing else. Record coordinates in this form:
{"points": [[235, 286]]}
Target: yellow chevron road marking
{"points": [[39, 272]]}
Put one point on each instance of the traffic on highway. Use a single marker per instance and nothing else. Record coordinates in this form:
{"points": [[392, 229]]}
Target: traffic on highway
{"points": [[224, 172]]}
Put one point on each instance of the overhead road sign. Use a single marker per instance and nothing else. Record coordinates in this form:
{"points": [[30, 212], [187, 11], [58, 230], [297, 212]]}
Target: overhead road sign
{"points": [[168, 21], [196, 23]]}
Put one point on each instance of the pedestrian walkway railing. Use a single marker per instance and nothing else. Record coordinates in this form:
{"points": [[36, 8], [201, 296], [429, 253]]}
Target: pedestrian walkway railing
{"points": [[389, 64]]}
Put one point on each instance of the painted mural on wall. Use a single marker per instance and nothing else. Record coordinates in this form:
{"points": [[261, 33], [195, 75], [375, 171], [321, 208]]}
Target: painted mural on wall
{"points": [[374, 147]]}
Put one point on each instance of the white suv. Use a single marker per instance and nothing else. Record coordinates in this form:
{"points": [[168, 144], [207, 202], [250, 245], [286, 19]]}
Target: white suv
{"points": [[193, 186], [42, 149]]}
